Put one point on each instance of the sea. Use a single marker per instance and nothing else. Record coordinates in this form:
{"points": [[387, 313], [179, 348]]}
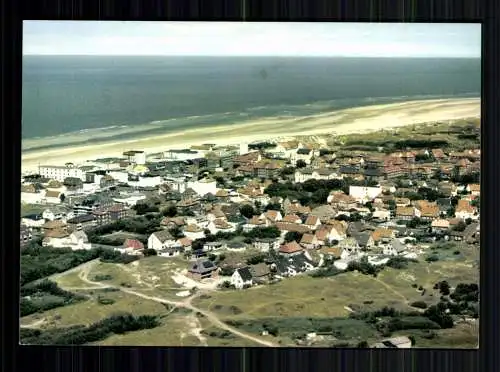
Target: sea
{"points": [[75, 100]]}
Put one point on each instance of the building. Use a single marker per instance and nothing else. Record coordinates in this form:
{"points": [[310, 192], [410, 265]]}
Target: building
{"points": [[203, 269], [25, 235], [110, 214], [290, 249], [161, 240], [59, 173], [265, 245], [241, 278], [81, 222], [364, 194], [182, 154]]}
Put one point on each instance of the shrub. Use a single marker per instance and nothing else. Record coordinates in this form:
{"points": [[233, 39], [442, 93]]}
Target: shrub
{"points": [[100, 277], [432, 258], [419, 304], [105, 301]]}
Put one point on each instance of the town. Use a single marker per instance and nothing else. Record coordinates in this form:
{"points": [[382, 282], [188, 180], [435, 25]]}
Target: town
{"points": [[236, 218]]}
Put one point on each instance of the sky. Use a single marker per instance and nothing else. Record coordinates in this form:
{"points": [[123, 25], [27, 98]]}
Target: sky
{"points": [[316, 39]]}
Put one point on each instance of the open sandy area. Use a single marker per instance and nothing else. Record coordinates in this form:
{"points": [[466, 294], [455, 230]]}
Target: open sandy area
{"points": [[352, 120]]}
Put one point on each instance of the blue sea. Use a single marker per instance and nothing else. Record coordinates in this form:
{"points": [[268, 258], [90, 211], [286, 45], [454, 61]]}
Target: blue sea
{"points": [[81, 99]]}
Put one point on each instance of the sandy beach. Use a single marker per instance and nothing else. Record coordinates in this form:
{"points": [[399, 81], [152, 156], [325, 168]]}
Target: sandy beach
{"points": [[352, 120]]}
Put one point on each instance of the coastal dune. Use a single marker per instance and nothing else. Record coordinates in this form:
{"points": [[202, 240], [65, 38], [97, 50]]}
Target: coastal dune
{"points": [[352, 120]]}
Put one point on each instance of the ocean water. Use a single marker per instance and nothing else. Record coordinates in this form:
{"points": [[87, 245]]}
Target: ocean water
{"points": [[77, 99]]}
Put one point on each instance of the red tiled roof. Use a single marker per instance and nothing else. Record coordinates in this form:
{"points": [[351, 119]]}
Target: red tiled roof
{"points": [[291, 247], [133, 243]]}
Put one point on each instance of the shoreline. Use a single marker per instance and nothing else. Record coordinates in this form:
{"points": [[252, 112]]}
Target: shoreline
{"points": [[361, 119]]}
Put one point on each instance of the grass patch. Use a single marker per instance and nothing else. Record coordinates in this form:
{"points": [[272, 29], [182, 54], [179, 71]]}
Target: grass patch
{"points": [[90, 311]]}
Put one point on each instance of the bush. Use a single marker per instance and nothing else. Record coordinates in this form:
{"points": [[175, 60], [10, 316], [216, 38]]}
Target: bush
{"points": [[149, 252], [432, 258], [105, 301], [100, 278], [419, 304]]}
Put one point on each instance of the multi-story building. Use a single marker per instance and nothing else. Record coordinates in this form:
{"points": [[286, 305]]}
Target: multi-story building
{"points": [[59, 173]]}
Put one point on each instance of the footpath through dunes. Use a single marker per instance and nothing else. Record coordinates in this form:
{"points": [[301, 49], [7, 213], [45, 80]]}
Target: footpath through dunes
{"points": [[85, 269], [358, 119]]}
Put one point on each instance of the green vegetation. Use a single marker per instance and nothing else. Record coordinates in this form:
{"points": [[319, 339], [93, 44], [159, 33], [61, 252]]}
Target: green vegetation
{"points": [[45, 296], [80, 334]]}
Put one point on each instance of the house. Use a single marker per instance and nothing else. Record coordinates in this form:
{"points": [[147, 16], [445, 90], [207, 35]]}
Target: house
{"points": [[309, 241], [474, 189], [272, 215], [429, 211], [260, 272], [382, 214], [33, 220], [301, 262], [440, 225], [57, 238], [52, 214], [53, 197], [303, 154], [382, 234], [212, 246], [173, 222], [132, 246], [81, 222], [364, 240], [265, 245], [312, 222], [52, 226], [25, 235], [292, 218], [193, 232], [161, 240], [324, 212], [407, 213], [341, 201], [349, 248], [363, 194], [171, 251], [337, 230], [402, 202], [79, 240], [394, 248], [241, 278], [290, 249], [203, 269], [465, 210]]}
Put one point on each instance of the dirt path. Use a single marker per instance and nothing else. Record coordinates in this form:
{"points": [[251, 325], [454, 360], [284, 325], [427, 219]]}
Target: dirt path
{"points": [[35, 324], [85, 269]]}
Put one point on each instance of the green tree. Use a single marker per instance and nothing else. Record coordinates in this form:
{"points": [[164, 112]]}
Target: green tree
{"points": [[300, 164], [247, 211]]}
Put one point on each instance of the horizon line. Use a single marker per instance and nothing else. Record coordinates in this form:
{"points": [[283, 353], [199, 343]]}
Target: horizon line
{"points": [[237, 55]]}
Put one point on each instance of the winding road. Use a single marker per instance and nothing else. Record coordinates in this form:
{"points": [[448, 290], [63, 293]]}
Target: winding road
{"points": [[86, 268]]}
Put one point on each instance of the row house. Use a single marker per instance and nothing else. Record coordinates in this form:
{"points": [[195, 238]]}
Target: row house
{"points": [[407, 213], [341, 201]]}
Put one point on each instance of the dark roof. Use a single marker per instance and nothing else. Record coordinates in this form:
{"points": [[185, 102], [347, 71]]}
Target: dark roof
{"points": [[372, 172], [202, 266], [300, 260], [81, 219], [444, 201], [361, 238], [304, 151], [34, 217], [348, 169], [245, 273]]}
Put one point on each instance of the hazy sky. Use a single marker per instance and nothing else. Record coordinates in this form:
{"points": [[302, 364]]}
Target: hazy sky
{"points": [[252, 39]]}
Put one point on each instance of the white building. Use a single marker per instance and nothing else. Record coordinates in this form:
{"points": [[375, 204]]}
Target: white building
{"points": [[182, 154], [241, 277], [129, 199], [118, 175], [161, 240], [364, 194], [146, 182], [243, 148], [203, 187], [59, 173]]}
